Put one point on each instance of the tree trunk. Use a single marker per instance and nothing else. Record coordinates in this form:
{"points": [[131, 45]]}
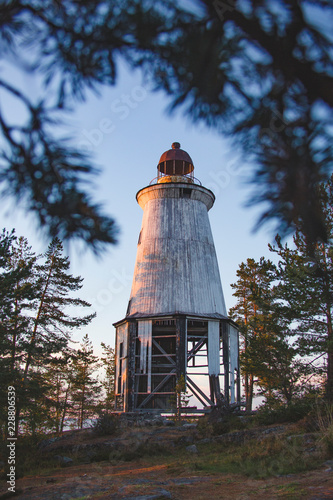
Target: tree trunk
{"points": [[12, 367], [249, 382], [82, 406], [329, 379], [64, 409]]}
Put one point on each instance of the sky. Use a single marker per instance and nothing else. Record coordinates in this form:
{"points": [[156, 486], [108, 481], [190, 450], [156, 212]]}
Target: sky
{"points": [[126, 129]]}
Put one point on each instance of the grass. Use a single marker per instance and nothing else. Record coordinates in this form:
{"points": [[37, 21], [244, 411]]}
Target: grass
{"points": [[324, 414], [255, 459], [272, 456], [29, 460], [291, 491]]}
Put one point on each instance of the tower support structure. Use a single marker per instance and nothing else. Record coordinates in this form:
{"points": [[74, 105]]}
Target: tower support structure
{"points": [[176, 322]]}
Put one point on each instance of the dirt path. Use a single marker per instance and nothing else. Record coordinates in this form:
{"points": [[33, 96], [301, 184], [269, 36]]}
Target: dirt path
{"points": [[142, 481]]}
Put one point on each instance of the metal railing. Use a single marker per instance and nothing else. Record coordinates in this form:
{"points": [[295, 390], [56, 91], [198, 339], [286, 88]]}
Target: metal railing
{"points": [[186, 179]]}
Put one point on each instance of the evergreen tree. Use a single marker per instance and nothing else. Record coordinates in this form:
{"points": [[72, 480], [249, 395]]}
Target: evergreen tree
{"points": [[35, 324], [51, 325], [273, 360], [85, 386], [108, 383], [254, 280], [58, 376], [7, 278], [17, 298], [306, 290], [268, 357], [36, 414], [22, 263]]}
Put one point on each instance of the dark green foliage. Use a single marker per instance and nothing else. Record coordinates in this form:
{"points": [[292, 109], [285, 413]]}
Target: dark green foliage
{"points": [[268, 357], [58, 376], [35, 329], [227, 424], [106, 424], [258, 72], [108, 382], [259, 459], [306, 291], [285, 314], [72, 47], [276, 412], [17, 297], [86, 389], [179, 399], [134, 451], [249, 70]]}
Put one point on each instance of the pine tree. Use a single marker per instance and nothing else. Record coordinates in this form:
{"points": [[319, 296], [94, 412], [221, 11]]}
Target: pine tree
{"points": [[254, 279], [268, 357], [34, 322], [85, 386], [58, 376], [108, 383], [306, 289], [17, 298], [22, 262]]}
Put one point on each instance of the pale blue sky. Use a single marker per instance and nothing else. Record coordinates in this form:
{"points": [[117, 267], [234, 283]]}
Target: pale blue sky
{"points": [[127, 129]]}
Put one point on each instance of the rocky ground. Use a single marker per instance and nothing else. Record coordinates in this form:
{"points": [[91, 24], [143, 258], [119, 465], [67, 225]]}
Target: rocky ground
{"points": [[131, 465], [140, 481]]}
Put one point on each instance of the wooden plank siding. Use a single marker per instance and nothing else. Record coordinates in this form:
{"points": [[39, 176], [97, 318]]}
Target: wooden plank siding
{"points": [[176, 267], [213, 347], [234, 360]]}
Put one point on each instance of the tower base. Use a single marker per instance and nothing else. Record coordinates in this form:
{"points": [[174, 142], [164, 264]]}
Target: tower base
{"points": [[152, 353]]}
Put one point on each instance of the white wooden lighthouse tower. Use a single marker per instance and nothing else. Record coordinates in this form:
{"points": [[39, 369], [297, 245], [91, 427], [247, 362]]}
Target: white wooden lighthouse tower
{"points": [[176, 321]]}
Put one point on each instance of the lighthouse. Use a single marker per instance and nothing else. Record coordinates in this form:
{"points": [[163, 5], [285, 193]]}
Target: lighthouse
{"points": [[176, 322]]}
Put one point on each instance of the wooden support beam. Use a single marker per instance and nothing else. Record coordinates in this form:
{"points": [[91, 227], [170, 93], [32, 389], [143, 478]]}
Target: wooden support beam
{"points": [[164, 352], [181, 346], [196, 394], [215, 389], [195, 349], [203, 395], [224, 333], [157, 388], [130, 389], [238, 376], [212, 389]]}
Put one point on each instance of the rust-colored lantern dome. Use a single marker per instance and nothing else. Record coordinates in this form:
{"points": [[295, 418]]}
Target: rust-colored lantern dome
{"points": [[175, 161]]}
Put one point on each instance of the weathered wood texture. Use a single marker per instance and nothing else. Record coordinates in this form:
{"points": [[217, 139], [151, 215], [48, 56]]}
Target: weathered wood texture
{"points": [[121, 358], [181, 346], [234, 360], [213, 347], [176, 267], [145, 336], [130, 389]]}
